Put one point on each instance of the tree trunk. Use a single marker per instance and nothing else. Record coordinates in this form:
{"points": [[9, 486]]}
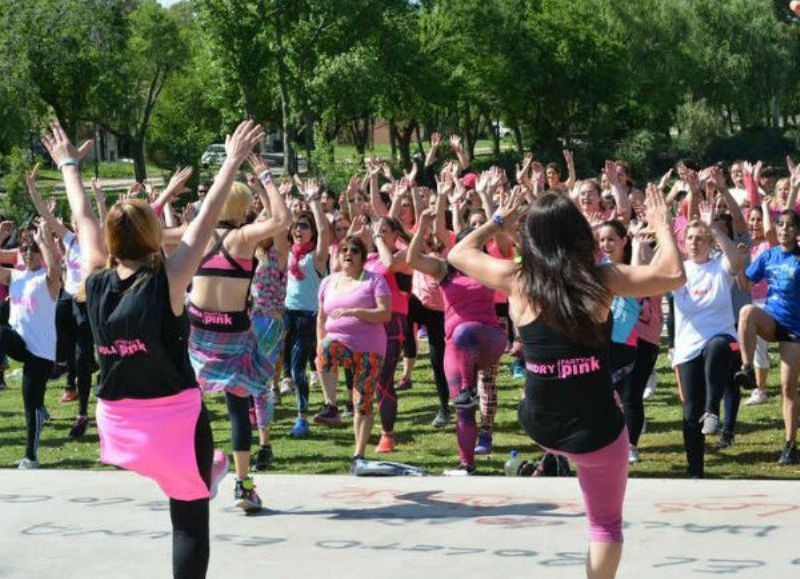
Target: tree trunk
{"points": [[289, 160], [420, 144], [393, 138], [137, 152], [308, 119], [518, 137], [495, 130], [404, 144]]}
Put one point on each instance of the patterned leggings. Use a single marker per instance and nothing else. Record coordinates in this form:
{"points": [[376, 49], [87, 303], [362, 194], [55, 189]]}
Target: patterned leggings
{"points": [[366, 368]]}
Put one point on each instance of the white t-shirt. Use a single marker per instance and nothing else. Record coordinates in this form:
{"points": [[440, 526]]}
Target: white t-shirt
{"points": [[702, 308], [33, 312], [72, 263]]}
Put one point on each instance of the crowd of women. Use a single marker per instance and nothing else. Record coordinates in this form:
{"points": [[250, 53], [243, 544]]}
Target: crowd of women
{"points": [[261, 280]]}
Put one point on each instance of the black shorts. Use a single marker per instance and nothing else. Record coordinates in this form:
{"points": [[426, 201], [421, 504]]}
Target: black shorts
{"points": [[783, 334]]}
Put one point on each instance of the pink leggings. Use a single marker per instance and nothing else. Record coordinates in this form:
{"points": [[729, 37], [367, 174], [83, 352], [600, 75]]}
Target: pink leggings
{"points": [[472, 346], [603, 476]]}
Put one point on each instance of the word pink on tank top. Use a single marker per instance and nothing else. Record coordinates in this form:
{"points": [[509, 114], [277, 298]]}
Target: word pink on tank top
{"points": [[399, 297], [466, 300]]}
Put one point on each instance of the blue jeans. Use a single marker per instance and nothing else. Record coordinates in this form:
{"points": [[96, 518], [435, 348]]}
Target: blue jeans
{"points": [[300, 348]]}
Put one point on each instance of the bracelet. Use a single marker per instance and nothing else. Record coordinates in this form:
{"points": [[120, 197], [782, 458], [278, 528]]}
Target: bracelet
{"points": [[498, 219], [68, 162], [265, 176]]}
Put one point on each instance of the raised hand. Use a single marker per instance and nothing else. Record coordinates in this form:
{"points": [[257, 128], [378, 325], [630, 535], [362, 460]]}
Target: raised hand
{"points": [[286, 187], [58, 145], [354, 184], [240, 144], [511, 207], [706, 210], [455, 143], [657, 215], [569, 157], [257, 163], [189, 212], [310, 190], [664, 181], [31, 178], [134, 190], [177, 184], [426, 220], [436, 140]]}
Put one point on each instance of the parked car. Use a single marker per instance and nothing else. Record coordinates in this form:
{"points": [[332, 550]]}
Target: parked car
{"points": [[502, 130], [213, 155]]}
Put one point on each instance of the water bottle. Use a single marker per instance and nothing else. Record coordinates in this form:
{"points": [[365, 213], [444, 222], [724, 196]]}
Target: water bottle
{"points": [[511, 467]]}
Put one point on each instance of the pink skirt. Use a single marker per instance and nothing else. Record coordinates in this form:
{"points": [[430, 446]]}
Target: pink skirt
{"points": [[155, 438]]}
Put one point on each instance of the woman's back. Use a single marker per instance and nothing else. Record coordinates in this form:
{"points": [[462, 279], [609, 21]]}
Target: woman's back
{"points": [[222, 282]]}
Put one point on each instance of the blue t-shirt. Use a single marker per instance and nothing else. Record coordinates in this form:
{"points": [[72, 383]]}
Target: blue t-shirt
{"points": [[782, 270]]}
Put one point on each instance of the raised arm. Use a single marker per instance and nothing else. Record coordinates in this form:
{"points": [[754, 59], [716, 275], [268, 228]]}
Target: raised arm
{"points": [[375, 200], [739, 225], [183, 262], [41, 207], [44, 239], [278, 219], [443, 189], [572, 177], [621, 200], [468, 255], [90, 235], [432, 266], [665, 271], [732, 259], [455, 144], [430, 158], [99, 200], [310, 191]]}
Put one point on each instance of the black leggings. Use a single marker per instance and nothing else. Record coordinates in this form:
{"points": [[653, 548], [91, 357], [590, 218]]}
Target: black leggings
{"points": [[35, 373], [190, 533], [433, 321], [703, 381], [239, 414], [632, 401], [75, 347]]}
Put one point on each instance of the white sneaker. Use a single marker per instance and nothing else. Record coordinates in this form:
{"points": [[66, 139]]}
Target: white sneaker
{"points": [[710, 423], [27, 464], [757, 397], [314, 379], [633, 455], [286, 386], [652, 383]]}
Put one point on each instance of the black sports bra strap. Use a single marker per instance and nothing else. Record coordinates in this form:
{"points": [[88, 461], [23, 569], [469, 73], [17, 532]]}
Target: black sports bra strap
{"points": [[219, 247]]}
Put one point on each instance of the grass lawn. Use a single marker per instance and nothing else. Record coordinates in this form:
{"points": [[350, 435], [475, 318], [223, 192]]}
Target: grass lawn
{"points": [[327, 450], [106, 170]]}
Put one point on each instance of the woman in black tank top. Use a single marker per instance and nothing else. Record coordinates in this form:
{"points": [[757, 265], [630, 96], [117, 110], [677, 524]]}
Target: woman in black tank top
{"points": [[150, 414], [560, 299]]}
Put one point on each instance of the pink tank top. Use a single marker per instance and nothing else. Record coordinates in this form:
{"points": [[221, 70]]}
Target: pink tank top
{"points": [[399, 297], [466, 300]]}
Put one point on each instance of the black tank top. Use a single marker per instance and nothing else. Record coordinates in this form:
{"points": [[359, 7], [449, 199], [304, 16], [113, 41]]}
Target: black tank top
{"points": [[569, 402], [141, 344]]}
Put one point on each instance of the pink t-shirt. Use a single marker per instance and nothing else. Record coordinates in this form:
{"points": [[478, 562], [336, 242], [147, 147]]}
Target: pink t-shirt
{"points": [[759, 290], [399, 297], [427, 291], [466, 300], [357, 335]]}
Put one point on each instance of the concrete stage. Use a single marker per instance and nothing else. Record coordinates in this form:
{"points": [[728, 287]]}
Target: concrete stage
{"points": [[64, 524]]}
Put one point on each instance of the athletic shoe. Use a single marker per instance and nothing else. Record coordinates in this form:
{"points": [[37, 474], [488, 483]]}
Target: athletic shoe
{"points": [[710, 423], [386, 444], [79, 427], [422, 333], [27, 464], [745, 378], [466, 399], [253, 419], [403, 384], [286, 386], [484, 445], [263, 458], [357, 465], [726, 440], [462, 470], [348, 410], [650, 388], [245, 496], [757, 397], [789, 454], [300, 428], [328, 415], [69, 395], [633, 455], [314, 379], [562, 466], [219, 469], [442, 418]]}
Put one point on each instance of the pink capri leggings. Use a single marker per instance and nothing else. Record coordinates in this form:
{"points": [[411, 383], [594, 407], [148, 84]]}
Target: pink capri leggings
{"points": [[603, 476]]}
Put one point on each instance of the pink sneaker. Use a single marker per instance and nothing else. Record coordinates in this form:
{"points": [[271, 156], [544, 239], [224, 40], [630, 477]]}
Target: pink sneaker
{"points": [[219, 468]]}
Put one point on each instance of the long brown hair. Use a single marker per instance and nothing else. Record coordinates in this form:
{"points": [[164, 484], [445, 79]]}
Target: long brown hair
{"points": [[133, 232], [558, 271]]}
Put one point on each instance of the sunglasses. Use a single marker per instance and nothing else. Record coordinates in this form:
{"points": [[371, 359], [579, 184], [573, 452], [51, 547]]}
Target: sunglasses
{"points": [[302, 225], [350, 250]]}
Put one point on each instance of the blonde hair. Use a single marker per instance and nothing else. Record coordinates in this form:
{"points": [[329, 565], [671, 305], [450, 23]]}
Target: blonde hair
{"points": [[237, 204], [697, 224], [783, 182], [133, 232]]}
